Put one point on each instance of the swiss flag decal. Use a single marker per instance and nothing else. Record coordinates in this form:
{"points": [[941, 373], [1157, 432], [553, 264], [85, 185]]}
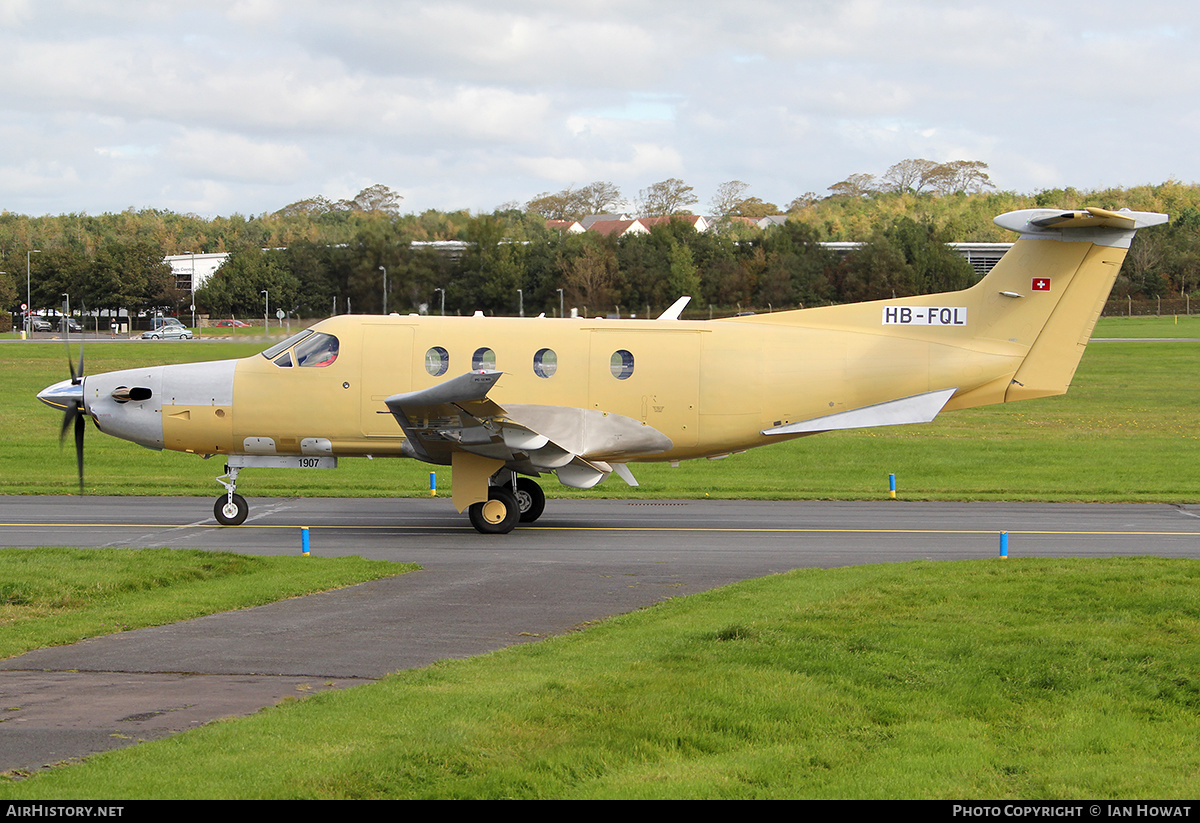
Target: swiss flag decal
{"points": [[1041, 284]]}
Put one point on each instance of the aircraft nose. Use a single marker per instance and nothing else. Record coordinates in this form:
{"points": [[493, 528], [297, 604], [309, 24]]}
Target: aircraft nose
{"points": [[62, 394]]}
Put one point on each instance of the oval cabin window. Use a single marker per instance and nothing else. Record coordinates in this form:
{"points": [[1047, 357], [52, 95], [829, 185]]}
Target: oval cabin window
{"points": [[621, 364], [545, 363], [437, 361], [483, 359]]}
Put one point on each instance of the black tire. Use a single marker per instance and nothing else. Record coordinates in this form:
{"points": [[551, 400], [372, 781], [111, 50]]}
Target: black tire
{"points": [[531, 500], [499, 515], [235, 515]]}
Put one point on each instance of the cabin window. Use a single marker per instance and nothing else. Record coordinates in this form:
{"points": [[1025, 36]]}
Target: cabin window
{"points": [[284, 361], [318, 349], [545, 363], [621, 364], [437, 361], [483, 359]]}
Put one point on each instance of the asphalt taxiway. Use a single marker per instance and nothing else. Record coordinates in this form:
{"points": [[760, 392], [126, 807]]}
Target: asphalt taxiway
{"points": [[584, 560]]}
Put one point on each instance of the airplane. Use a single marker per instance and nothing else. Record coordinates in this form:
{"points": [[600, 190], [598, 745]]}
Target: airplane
{"points": [[505, 400]]}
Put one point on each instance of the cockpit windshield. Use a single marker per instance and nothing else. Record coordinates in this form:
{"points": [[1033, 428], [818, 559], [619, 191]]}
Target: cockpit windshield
{"points": [[320, 349], [286, 344], [307, 348]]}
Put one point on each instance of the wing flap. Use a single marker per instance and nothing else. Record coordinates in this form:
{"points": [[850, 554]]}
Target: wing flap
{"points": [[458, 417]]}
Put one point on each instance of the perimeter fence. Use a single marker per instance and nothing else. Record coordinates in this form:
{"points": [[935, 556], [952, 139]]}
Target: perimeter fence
{"points": [[1159, 306]]}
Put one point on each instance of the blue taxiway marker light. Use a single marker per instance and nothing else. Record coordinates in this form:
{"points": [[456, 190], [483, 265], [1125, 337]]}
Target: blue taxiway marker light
{"points": [[1004, 544], [304, 541], [892, 486], [433, 484]]}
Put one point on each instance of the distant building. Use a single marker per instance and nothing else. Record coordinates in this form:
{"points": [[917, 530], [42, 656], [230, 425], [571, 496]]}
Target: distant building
{"points": [[193, 270], [619, 228], [694, 220]]}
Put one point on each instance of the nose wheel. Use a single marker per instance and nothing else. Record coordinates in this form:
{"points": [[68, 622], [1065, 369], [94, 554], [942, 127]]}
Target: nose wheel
{"points": [[231, 510]]}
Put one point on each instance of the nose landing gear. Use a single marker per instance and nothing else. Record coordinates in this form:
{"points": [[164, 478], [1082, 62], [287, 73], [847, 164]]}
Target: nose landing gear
{"points": [[231, 508]]}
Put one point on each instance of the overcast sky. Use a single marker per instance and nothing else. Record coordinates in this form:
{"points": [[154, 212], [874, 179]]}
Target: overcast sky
{"points": [[222, 107]]}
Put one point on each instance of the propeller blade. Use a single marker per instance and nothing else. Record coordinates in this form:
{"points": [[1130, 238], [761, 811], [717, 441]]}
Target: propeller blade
{"points": [[75, 408], [80, 426], [81, 337], [71, 412], [76, 374]]}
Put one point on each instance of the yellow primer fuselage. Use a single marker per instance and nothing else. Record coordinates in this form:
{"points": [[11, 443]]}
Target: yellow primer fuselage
{"points": [[711, 387]]}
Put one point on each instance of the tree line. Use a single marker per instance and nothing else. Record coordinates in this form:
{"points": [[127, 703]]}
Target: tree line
{"points": [[324, 256], [547, 271]]}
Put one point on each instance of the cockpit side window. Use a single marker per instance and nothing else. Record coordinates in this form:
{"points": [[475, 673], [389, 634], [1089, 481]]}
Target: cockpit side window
{"points": [[286, 344], [319, 349]]}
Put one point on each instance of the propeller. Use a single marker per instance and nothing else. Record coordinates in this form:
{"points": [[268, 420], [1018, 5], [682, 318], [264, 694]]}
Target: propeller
{"points": [[67, 395], [74, 411]]}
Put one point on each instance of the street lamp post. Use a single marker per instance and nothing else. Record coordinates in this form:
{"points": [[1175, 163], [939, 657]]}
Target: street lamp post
{"points": [[443, 291], [29, 295], [193, 290], [521, 303], [385, 289], [266, 305], [560, 303]]}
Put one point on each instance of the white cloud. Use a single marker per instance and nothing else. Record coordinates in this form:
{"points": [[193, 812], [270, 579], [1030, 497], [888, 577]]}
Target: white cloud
{"points": [[245, 105], [235, 158]]}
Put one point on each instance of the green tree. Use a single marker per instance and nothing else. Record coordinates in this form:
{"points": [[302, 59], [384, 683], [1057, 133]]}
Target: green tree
{"points": [[666, 197], [236, 288]]}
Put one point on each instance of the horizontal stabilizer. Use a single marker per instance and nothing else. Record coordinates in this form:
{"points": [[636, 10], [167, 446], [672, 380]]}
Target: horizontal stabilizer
{"points": [[1080, 224], [919, 408]]}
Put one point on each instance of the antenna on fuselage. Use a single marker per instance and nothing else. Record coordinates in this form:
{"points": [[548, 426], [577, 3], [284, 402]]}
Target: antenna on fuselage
{"points": [[676, 309]]}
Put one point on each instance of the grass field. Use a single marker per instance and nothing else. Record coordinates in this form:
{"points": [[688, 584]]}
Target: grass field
{"points": [[1037, 679], [1126, 431], [1148, 326]]}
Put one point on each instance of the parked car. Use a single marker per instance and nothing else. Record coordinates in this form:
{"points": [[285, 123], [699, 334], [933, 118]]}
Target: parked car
{"points": [[168, 332], [40, 324], [237, 324], [69, 324]]}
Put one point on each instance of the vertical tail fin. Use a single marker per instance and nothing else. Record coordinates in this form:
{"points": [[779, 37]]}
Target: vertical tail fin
{"points": [[1050, 288]]}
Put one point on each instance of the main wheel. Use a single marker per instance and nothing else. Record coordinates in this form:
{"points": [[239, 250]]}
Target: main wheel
{"points": [[531, 500], [497, 515], [231, 513]]}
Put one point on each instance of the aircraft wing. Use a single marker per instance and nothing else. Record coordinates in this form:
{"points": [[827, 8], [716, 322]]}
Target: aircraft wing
{"points": [[579, 445]]}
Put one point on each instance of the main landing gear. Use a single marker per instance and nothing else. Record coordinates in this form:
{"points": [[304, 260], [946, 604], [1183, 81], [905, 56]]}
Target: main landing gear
{"points": [[520, 499]]}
